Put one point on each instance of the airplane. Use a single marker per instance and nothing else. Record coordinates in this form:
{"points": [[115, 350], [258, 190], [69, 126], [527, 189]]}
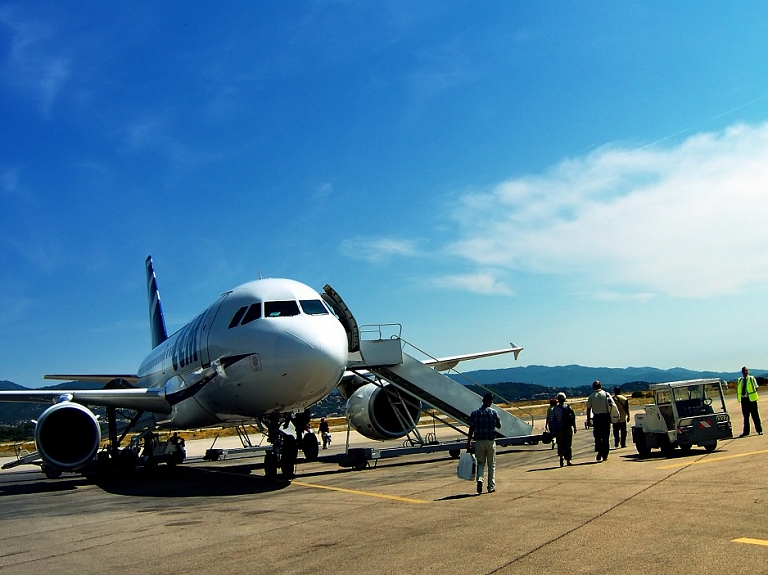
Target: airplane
{"points": [[263, 352]]}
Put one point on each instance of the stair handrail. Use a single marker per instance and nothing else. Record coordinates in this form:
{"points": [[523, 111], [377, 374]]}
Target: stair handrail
{"points": [[473, 382]]}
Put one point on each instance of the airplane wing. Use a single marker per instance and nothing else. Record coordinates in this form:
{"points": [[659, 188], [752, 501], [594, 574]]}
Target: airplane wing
{"points": [[140, 399], [445, 363], [121, 395], [97, 378]]}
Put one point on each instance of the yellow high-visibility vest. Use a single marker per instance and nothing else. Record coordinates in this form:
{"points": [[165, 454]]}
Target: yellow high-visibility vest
{"points": [[751, 388]]}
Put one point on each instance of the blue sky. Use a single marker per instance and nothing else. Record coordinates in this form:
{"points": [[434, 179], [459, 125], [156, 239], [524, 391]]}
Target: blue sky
{"points": [[587, 180]]}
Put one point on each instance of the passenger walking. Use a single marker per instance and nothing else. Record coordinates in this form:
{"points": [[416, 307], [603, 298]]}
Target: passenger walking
{"points": [[599, 413], [548, 424], [746, 391], [563, 425], [620, 428], [483, 423]]}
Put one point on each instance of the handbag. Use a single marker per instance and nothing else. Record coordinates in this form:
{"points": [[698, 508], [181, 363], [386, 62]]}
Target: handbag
{"points": [[546, 437], [467, 466]]}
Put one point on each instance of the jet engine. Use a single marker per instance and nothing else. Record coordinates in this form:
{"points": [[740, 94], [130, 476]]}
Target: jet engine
{"points": [[67, 436], [382, 412]]}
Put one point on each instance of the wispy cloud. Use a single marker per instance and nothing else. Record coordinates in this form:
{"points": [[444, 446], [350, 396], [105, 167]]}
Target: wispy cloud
{"points": [[29, 64], [10, 184], [484, 283], [378, 249], [687, 220]]}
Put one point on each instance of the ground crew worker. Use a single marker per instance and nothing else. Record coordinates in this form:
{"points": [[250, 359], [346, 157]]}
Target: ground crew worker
{"points": [[746, 391]]}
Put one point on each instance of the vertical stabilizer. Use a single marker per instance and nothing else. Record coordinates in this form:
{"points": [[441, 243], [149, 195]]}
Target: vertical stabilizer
{"points": [[156, 319]]}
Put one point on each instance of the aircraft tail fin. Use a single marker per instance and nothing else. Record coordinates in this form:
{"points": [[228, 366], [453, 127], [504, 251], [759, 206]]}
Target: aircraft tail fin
{"points": [[156, 319]]}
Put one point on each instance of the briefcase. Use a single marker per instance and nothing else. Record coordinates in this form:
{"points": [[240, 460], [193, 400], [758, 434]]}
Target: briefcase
{"points": [[467, 466]]}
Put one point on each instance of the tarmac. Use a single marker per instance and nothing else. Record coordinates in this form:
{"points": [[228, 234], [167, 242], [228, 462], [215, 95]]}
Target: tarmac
{"points": [[694, 513]]}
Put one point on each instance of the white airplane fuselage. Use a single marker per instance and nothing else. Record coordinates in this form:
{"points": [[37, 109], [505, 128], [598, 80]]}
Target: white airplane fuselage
{"points": [[296, 354]]}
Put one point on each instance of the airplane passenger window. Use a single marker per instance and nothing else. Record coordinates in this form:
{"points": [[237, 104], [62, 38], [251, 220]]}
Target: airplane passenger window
{"points": [[254, 312], [280, 308], [313, 307], [237, 317]]}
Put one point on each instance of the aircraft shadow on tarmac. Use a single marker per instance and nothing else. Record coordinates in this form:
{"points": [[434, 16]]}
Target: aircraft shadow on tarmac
{"points": [[192, 482], [42, 486]]}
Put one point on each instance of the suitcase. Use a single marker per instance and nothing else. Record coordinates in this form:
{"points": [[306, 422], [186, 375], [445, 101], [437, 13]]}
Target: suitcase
{"points": [[467, 466]]}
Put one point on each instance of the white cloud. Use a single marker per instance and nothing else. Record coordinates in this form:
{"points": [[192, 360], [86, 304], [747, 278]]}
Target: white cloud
{"points": [[688, 220], [378, 249], [30, 64], [481, 283]]}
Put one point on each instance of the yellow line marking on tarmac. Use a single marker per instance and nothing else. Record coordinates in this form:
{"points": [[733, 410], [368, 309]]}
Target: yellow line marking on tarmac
{"points": [[751, 541], [366, 493], [712, 460]]}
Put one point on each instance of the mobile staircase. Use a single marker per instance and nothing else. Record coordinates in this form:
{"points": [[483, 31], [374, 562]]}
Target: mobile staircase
{"points": [[421, 385]]}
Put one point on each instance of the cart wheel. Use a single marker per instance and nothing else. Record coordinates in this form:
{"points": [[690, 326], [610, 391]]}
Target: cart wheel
{"points": [[640, 444]]}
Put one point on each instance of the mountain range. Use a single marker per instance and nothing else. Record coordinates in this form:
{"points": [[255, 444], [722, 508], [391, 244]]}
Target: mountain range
{"points": [[578, 375], [516, 382]]}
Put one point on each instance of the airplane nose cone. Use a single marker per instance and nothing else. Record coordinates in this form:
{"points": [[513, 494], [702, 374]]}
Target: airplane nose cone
{"points": [[318, 357]]}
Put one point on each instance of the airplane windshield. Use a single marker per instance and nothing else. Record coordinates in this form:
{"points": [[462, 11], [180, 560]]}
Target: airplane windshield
{"points": [[313, 307], [237, 317], [280, 308], [254, 312]]}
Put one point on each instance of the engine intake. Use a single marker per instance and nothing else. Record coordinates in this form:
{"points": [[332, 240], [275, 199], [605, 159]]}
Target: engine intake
{"points": [[372, 413], [67, 436]]}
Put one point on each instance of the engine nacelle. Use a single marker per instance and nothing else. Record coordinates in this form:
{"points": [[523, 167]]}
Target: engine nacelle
{"points": [[372, 414], [67, 436]]}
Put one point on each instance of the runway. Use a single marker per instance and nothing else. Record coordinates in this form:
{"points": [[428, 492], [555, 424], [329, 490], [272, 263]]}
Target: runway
{"points": [[695, 513]]}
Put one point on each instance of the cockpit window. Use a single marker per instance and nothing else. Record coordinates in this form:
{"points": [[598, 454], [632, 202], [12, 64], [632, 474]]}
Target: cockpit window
{"points": [[313, 307], [280, 308], [254, 312], [237, 317]]}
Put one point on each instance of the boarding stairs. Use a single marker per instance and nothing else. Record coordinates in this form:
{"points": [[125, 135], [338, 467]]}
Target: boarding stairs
{"points": [[386, 359]]}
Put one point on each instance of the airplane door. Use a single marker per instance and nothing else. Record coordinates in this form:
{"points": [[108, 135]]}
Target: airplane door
{"points": [[205, 329]]}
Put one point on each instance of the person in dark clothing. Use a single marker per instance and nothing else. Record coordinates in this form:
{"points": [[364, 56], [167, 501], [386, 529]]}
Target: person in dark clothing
{"points": [[325, 432], [563, 425]]}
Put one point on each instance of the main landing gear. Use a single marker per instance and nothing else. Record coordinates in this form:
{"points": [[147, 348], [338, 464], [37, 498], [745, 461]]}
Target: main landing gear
{"points": [[287, 435]]}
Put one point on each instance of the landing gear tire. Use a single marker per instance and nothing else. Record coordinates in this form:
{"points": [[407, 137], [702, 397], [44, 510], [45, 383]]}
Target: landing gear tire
{"points": [[127, 461], [310, 447], [270, 464], [288, 453]]}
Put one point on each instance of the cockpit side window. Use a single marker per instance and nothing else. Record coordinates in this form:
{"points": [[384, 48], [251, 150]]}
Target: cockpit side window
{"points": [[237, 317], [313, 307], [254, 313], [280, 308]]}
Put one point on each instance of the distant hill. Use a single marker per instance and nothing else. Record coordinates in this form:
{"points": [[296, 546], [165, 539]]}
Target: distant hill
{"points": [[512, 383], [576, 375]]}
